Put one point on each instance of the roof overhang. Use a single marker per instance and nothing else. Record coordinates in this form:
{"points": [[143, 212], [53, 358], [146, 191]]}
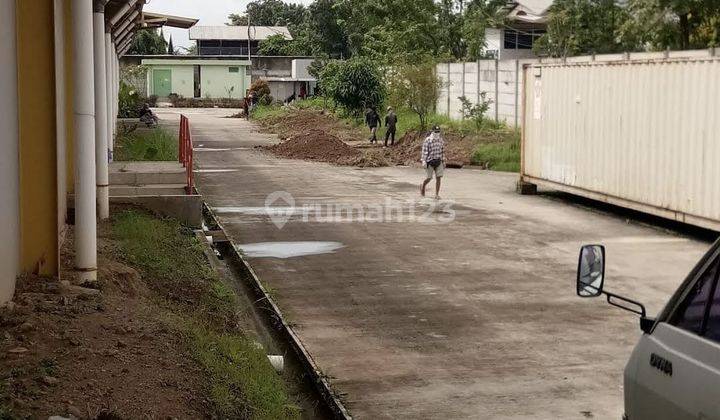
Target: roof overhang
{"points": [[151, 18], [175, 61]]}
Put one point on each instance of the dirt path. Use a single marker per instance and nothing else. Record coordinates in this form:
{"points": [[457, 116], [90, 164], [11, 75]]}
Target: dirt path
{"points": [[313, 135], [473, 318], [75, 352]]}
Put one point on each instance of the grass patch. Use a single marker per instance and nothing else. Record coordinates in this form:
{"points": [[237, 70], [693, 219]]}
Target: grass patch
{"points": [[263, 112], [151, 145], [503, 155], [241, 383]]}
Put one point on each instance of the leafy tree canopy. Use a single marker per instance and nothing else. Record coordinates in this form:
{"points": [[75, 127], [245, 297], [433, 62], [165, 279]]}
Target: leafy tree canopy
{"points": [[148, 42]]}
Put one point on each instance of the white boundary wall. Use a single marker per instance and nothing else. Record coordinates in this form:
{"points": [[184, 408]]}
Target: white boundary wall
{"points": [[640, 131], [500, 79]]}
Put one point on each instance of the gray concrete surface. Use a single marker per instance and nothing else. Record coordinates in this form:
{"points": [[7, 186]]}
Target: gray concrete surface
{"points": [[476, 318]]}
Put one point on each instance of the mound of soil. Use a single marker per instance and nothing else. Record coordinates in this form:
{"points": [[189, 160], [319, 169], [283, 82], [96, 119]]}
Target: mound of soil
{"points": [[407, 150], [319, 145]]}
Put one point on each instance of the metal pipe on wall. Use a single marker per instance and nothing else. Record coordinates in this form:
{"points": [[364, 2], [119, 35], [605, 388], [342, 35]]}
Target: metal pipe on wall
{"points": [[84, 147], [101, 112], [116, 70], [9, 162], [60, 114], [110, 90]]}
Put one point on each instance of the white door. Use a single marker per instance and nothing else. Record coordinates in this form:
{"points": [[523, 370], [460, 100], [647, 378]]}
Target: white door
{"points": [[674, 372]]}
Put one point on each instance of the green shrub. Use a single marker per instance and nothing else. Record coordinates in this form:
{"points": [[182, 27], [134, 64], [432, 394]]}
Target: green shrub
{"points": [[129, 101], [143, 145], [354, 84], [415, 87]]}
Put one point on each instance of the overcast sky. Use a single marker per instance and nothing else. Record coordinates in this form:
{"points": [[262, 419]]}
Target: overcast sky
{"points": [[210, 12]]}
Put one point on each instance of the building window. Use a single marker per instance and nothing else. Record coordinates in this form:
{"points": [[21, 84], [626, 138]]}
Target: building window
{"points": [[521, 39], [234, 69]]}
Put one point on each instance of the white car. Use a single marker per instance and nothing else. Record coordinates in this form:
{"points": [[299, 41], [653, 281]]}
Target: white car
{"points": [[674, 371]]}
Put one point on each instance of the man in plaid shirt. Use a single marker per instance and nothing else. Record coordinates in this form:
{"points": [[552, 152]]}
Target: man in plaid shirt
{"points": [[433, 160]]}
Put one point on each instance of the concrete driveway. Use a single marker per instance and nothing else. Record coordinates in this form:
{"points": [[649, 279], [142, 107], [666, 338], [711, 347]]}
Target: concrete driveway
{"points": [[412, 315]]}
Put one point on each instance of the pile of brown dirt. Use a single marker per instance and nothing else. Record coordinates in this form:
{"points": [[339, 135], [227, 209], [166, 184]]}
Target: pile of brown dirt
{"points": [[314, 135], [298, 121], [319, 145], [407, 150], [81, 352]]}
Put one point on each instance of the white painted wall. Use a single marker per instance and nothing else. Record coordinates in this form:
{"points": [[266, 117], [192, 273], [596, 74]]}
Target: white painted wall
{"points": [[9, 166], [300, 68], [498, 78]]}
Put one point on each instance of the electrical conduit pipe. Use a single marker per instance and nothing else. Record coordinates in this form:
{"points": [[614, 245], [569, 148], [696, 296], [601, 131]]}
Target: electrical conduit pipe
{"points": [[84, 147], [101, 112]]}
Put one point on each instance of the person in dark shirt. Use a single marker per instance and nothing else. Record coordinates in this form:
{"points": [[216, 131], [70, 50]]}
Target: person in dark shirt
{"points": [[372, 119], [390, 126]]}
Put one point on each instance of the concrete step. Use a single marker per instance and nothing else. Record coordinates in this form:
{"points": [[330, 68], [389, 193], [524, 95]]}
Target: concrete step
{"points": [[147, 190], [146, 173]]}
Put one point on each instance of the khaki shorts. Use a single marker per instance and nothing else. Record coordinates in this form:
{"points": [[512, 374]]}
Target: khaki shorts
{"points": [[429, 170]]}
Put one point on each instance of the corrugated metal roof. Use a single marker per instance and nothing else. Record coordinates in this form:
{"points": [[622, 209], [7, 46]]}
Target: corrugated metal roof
{"points": [[237, 33]]}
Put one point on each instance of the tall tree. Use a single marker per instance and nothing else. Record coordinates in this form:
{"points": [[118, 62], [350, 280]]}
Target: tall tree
{"points": [[270, 13], [171, 47], [324, 31], [148, 42], [578, 27], [674, 24]]}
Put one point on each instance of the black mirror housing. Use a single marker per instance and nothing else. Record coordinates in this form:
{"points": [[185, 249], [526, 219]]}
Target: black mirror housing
{"points": [[591, 271]]}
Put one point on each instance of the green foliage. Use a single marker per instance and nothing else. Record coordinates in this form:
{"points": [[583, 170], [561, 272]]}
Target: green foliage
{"points": [[270, 13], [583, 27], [277, 45], [476, 112], [577, 27], [243, 383], [262, 91], [499, 156], [354, 84], [146, 145], [148, 42], [129, 101], [674, 24], [415, 87], [240, 382]]}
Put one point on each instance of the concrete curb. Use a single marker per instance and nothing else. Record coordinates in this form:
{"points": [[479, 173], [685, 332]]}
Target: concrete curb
{"points": [[322, 386]]}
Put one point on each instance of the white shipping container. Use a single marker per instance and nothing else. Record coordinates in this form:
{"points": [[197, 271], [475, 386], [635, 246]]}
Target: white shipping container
{"points": [[643, 134]]}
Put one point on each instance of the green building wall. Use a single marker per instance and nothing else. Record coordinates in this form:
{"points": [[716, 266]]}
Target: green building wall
{"points": [[218, 78]]}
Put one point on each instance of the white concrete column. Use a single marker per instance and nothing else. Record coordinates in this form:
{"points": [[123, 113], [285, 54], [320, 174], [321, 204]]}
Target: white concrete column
{"points": [[101, 113], [110, 92], [9, 158], [84, 147], [60, 113]]}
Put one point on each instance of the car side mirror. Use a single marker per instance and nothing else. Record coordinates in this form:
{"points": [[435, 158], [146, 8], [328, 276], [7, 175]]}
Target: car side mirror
{"points": [[591, 271]]}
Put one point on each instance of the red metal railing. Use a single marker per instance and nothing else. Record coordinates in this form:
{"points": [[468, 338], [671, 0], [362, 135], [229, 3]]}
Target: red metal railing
{"points": [[185, 152]]}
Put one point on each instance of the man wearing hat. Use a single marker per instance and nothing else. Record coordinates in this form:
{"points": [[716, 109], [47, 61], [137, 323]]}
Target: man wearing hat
{"points": [[433, 160], [390, 124]]}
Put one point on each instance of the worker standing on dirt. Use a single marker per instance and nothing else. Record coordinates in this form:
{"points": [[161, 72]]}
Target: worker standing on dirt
{"points": [[372, 119], [390, 124], [433, 160]]}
